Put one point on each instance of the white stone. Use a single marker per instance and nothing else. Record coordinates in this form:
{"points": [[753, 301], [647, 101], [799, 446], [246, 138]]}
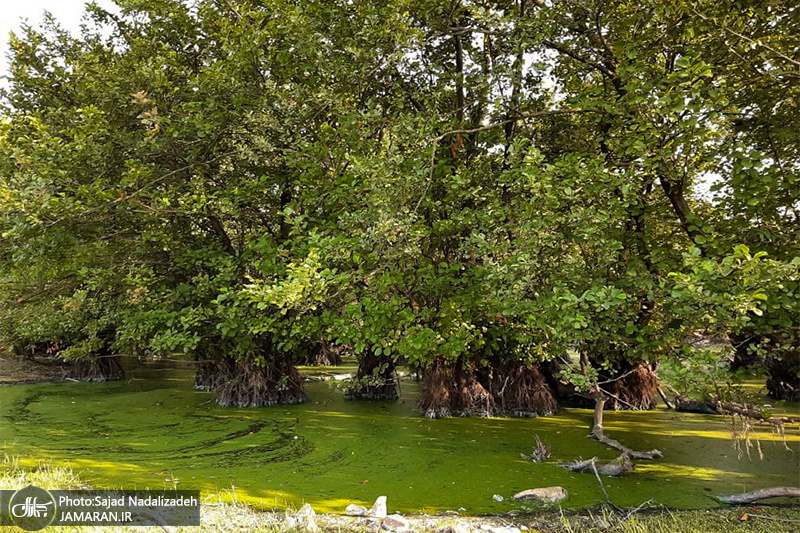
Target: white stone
{"points": [[307, 519], [356, 510], [379, 508]]}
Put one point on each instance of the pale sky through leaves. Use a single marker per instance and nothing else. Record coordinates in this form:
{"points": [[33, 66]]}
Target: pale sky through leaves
{"points": [[13, 12]]}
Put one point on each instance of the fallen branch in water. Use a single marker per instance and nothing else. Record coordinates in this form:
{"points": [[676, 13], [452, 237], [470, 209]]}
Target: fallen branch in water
{"points": [[761, 494], [598, 435], [616, 467], [541, 453], [600, 396], [664, 398], [714, 405]]}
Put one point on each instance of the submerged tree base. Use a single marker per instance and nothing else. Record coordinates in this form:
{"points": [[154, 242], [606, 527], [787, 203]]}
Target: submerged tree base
{"points": [[452, 389], [100, 368], [375, 380], [212, 374], [520, 390], [501, 389], [274, 383]]}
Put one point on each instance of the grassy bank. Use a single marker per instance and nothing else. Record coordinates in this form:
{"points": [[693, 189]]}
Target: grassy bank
{"points": [[222, 512]]}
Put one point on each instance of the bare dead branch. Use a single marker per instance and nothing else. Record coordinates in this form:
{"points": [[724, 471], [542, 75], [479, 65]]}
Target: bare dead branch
{"points": [[761, 494]]}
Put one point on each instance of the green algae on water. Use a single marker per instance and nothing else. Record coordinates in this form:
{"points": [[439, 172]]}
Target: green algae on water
{"points": [[154, 431]]}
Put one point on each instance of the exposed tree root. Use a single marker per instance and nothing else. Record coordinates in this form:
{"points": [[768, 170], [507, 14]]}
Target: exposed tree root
{"points": [[632, 387], [616, 467], [97, 368], [277, 382], [210, 374], [452, 389], [375, 379], [761, 494], [519, 390]]}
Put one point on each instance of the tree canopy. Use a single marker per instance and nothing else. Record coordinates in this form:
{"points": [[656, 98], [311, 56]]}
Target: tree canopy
{"points": [[466, 187]]}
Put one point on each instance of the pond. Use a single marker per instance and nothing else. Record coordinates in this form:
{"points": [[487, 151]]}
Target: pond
{"points": [[153, 430]]}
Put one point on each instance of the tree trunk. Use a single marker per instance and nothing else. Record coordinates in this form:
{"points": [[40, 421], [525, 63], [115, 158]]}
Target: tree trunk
{"points": [[599, 435], [452, 389], [744, 355], [210, 374], [375, 379], [599, 405], [276, 382], [519, 390], [633, 386], [97, 368]]}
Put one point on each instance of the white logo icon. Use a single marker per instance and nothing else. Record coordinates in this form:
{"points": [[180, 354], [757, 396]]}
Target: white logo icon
{"points": [[30, 509]]}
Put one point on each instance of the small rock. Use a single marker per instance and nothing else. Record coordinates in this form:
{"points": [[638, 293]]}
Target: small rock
{"points": [[356, 510], [524, 528], [379, 508], [395, 522], [497, 498], [486, 527], [307, 519], [548, 495]]}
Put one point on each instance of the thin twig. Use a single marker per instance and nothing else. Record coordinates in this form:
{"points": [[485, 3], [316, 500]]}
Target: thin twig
{"points": [[597, 475]]}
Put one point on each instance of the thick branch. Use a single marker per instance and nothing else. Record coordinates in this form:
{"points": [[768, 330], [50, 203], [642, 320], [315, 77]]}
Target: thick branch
{"points": [[219, 231], [682, 209], [714, 405], [536, 114], [615, 468], [761, 494], [599, 436], [459, 79]]}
